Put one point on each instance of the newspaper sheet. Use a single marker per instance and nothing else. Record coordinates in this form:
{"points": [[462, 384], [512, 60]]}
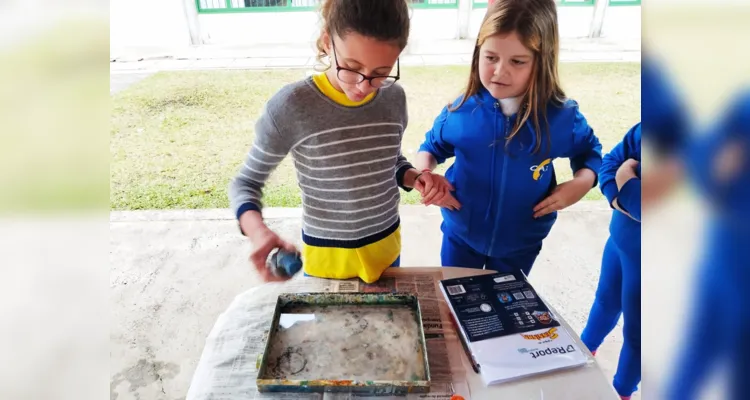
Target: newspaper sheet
{"points": [[227, 369]]}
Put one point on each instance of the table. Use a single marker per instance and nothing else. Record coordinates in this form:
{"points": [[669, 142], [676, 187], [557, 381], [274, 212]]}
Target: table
{"points": [[227, 368]]}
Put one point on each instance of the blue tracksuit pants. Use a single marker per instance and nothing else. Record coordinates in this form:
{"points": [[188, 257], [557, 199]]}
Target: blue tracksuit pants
{"points": [[456, 253], [718, 320], [618, 293]]}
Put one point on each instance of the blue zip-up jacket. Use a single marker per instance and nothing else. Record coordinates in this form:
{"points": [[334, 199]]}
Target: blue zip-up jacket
{"points": [[625, 231], [663, 115], [729, 197], [498, 185]]}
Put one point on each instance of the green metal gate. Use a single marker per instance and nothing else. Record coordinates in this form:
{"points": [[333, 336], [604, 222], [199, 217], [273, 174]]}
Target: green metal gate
{"points": [[243, 6]]}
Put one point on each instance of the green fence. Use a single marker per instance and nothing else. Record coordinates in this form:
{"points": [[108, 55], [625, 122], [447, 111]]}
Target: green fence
{"points": [[624, 2], [232, 6], [434, 3], [575, 2], [483, 3]]}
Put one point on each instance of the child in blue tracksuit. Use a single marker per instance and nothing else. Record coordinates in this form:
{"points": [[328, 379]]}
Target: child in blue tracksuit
{"points": [[718, 320], [504, 133], [619, 290]]}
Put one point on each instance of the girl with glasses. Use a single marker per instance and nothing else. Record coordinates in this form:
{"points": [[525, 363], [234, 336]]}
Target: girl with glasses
{"points": [[343, 129]]}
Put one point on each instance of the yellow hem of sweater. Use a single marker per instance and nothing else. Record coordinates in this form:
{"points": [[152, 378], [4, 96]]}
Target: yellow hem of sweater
{"points": [[367, 262]]}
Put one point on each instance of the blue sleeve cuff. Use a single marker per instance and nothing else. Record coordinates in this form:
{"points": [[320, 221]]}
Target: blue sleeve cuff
{"points": [[243, 208], [609, 190], [247, 207], [629, 198], [400, 177], [592, 163], [428, 148]]}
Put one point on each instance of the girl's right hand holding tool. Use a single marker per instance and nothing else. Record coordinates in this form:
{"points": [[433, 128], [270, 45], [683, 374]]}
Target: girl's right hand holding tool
{"points": [[264, 241]]}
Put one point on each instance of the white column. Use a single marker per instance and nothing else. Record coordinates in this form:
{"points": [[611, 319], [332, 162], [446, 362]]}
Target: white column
{"points": [[597, 21], [464, 16], [191, 18]]}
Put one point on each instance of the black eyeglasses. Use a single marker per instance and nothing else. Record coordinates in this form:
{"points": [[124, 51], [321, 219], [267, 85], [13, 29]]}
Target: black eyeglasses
{"points": [[353, 77]]}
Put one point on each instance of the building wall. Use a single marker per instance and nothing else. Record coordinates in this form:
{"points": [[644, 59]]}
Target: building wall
{"points": [[258, 27], [148, 23], [622, 22], [163, 23], [304, 26]]}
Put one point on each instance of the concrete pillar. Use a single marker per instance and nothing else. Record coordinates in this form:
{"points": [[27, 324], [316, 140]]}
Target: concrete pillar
{"points": [[597, 20], [464, 16], [191, 18]]}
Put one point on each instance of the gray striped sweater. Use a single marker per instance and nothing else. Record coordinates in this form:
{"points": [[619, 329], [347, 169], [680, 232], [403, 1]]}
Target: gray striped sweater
{"points": [[348, 162]]}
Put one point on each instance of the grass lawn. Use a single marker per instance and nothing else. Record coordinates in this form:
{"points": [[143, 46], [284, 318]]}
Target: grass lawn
{"points": [[177, 138]]}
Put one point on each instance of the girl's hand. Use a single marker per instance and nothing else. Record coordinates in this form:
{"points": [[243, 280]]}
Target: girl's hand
{"points": [[626, 172], [435, 190], [659, 181], [449, 202], [567, 193], [729, 162], [264, 241], [617, 207]]}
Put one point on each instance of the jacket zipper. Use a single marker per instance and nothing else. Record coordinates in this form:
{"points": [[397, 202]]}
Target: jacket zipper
{"points": [[492, 168], [502, 193]]}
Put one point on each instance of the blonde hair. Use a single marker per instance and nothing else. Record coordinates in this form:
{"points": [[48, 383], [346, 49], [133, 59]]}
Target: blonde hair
{"points": [[535, 22], [386, 20]]}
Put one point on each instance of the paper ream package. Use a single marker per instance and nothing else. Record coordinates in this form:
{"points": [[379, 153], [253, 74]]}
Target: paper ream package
{"points": [[524, 354]]}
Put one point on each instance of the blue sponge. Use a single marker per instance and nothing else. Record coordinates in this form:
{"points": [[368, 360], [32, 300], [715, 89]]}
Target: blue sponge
{"points": [[284, 263]]}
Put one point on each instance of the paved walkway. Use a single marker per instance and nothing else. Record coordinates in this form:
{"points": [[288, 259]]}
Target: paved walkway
{"points": [[120, 82], [173, 272], [301, 55]]}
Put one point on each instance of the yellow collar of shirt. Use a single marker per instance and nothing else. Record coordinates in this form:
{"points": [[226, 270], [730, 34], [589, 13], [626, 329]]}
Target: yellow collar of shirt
{"points": [[325, 86]]}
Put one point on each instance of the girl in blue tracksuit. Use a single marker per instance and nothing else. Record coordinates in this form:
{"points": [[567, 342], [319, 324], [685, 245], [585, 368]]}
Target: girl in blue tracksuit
{"points": [[504, 133], [619, 290]]}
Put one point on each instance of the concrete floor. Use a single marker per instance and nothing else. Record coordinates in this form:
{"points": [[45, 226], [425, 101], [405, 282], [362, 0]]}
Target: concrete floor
{"points": [[173, 272], [120, 82]]}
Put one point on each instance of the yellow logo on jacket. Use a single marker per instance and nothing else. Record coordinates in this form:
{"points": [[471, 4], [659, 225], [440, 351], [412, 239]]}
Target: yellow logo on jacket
{"points": [[537, 170]]}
